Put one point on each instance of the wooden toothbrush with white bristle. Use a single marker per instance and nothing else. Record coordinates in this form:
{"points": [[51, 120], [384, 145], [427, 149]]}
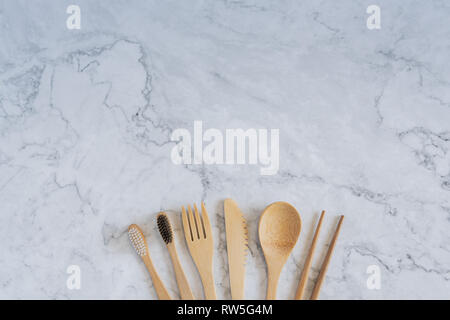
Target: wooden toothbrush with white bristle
{"points": [[140, 245], [166, 233]]}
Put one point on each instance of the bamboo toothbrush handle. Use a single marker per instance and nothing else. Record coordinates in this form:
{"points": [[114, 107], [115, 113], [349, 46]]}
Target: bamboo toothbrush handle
{"points": [[208, 284], [323, 269], [157, 283], [304, 277], [183, 284]]}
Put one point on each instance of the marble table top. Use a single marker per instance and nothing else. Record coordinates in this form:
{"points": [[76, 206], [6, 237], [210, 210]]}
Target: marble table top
{"points": [[87, 118]]}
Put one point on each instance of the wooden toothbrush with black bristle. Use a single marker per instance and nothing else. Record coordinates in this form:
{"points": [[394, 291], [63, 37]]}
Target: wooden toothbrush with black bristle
{"points": [[166, 232]]}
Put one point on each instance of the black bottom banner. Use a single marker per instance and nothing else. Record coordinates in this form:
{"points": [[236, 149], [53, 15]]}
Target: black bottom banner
{"points": [[223, 309]]}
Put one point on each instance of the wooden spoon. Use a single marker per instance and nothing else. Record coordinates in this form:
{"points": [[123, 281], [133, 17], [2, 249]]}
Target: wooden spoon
{"points": [[279, 228]]}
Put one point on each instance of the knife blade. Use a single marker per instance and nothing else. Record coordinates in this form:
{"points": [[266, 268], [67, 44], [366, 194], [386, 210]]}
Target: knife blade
{"points": [[237, 245]]}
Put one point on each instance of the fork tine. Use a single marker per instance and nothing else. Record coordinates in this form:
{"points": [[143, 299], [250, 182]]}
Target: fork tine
{"points": [[194, 224], [206, 223], [201, 227], [186, 225]]}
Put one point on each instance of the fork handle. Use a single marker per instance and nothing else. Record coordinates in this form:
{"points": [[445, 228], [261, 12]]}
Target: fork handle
{"points": [[208, 284]]}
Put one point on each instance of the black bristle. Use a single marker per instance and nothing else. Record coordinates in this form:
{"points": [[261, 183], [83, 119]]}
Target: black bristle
{"points": [[164, 228]]}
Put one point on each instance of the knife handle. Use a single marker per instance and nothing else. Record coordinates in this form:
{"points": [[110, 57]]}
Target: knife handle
{"points": [[208, 284], [236, 279], [237, 291]]}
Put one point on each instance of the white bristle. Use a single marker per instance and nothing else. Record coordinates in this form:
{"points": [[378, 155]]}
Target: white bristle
{"points": [[138, 242]]}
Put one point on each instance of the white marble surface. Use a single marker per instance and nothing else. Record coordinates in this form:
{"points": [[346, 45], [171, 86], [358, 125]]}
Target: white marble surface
{"points": [[86, 116]]}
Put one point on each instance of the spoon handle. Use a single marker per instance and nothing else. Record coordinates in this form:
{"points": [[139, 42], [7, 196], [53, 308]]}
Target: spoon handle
{"points": [[272, 284]]}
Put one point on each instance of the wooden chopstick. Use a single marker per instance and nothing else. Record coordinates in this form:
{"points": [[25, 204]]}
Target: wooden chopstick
{"points": [[304, 277], [323, 269]]}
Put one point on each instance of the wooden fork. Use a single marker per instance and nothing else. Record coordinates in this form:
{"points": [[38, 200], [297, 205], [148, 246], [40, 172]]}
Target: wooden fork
{"points": [[197, 231]]}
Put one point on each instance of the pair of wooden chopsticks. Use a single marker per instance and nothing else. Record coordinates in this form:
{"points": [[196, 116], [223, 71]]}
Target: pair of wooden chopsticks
{"points": [[304, 277]]}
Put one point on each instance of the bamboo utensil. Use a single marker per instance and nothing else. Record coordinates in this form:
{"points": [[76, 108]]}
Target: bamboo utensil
{"points": [[236, 232], [166, 232], [140, 245], [279, 229], [198, 234], [307, 266], [324, 267]]}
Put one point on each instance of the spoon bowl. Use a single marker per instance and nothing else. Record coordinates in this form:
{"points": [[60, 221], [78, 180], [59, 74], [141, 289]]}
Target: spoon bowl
{"points": [[279, 229]]}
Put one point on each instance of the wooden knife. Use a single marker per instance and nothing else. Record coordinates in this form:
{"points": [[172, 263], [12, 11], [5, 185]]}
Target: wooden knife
{"points": [[237, 241]]}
